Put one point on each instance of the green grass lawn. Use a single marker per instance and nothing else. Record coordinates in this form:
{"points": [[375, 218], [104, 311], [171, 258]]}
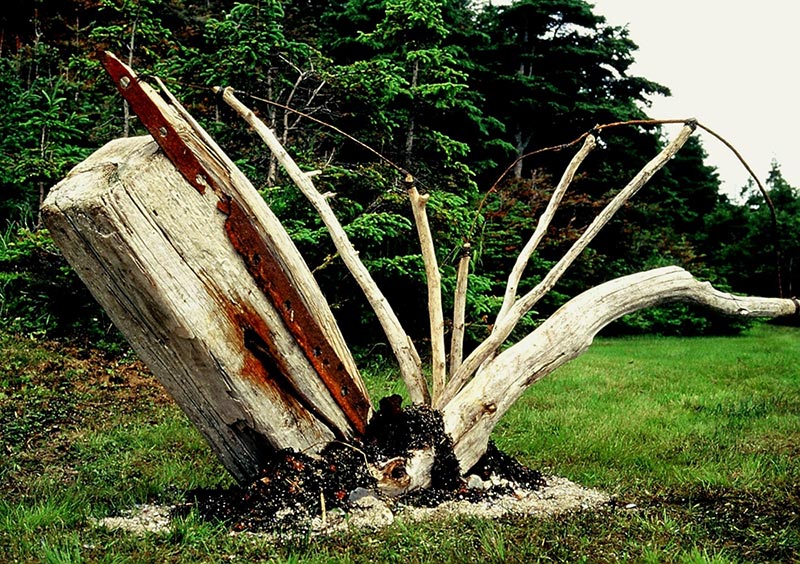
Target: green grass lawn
{"points": [[696, 439]]}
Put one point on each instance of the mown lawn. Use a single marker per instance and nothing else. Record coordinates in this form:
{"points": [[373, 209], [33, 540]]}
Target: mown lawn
{"points": [[697, 439]]}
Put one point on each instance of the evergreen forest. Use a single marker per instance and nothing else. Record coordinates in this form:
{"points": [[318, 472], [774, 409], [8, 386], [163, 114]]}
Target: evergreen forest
{"points": [[461, 94]]}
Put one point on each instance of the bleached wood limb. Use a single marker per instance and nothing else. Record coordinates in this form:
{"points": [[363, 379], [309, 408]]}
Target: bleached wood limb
{"points": [[503, 329], [472, 414], [459, 309], [404, 350], [541, 227], [434, 281]]}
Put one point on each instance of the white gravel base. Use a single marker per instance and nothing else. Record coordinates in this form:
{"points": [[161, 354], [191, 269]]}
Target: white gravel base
{"points": [[558, 496], [141, 519]]}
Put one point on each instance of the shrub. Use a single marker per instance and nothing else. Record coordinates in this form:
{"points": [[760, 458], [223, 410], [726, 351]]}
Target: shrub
{"points": [[41, 296]]}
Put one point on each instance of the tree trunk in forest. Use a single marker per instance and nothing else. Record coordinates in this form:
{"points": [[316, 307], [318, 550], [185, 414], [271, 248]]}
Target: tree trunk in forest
{"points": [[409, 146], [521, 143]]}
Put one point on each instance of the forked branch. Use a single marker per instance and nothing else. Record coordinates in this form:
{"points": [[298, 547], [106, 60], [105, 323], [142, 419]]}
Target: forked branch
{"points": [[505, 325], [541, 227]]}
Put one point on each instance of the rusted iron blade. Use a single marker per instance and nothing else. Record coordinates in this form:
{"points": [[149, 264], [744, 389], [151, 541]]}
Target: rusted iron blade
{"points": [[267, 271], [270, 277], [151, 108]]}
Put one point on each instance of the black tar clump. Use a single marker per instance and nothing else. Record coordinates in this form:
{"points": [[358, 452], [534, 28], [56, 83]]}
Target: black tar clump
{"points": [[291, 488], [394, 431]]}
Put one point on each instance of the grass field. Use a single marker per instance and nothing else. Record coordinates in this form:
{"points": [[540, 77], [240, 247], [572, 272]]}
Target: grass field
{"points": [[696, 439]]}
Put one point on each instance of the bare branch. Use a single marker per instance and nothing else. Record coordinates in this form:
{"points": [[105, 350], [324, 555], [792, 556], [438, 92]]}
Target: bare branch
{"points": [[309, 108], [503, 329], [434, 281], [296, 68], [459, 308], [541, 227], [289, 98], [470, 416], [403, 348]]}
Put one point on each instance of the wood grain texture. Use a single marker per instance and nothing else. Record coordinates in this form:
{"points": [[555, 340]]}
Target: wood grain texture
{"points": [[472, 414], [154, 252]]}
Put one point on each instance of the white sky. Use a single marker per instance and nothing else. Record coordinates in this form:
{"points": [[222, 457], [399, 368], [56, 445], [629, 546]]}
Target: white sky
{"points": [[732, 64]]}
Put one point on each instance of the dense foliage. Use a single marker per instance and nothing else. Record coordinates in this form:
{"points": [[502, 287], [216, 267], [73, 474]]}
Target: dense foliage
{"points": [[451, 91]]}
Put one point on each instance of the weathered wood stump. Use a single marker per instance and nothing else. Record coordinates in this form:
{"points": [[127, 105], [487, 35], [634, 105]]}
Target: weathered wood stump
{"points": [[161, 258], [202, 279]]}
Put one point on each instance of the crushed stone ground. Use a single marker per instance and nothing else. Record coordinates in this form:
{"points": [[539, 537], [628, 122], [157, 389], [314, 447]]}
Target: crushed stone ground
{"points": [[557, 497]]}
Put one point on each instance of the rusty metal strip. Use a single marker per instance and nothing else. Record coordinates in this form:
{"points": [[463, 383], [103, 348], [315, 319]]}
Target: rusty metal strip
{"points": [[152, 116], [270, 277], [259, 259]]}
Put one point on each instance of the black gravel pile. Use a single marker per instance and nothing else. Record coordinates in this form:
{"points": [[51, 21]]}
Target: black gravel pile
{"points": [[293, 487]]}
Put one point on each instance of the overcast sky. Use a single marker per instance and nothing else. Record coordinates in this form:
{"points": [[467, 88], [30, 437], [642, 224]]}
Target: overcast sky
{"points": [[732, 65]]}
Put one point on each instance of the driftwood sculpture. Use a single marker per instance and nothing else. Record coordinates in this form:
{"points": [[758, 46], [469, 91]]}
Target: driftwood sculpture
{"points": [[205, 283]]}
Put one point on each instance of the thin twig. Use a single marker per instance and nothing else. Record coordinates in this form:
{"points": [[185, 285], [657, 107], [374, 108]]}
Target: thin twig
{"points": [[767, 199], [331, 127]]}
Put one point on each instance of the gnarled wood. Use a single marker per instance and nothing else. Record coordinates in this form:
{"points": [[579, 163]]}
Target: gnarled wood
{"points": [[259, 238], [472, 414], [199, 275]]}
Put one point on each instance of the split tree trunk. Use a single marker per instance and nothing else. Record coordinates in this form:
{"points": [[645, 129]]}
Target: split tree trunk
{"points": [[159, 257]]}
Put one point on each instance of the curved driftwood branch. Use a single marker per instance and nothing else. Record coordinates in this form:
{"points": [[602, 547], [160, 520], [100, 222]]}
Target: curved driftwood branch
{"points": [[472, 414], [404, 350], [504, 327]]}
